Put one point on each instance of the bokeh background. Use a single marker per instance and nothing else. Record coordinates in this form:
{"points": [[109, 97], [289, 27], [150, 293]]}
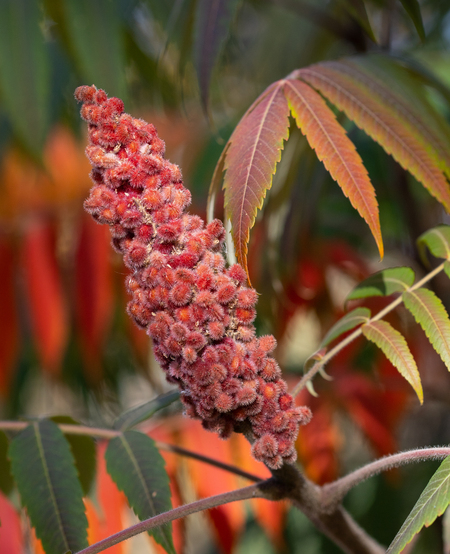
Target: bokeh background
{"points": [[66, 344]]}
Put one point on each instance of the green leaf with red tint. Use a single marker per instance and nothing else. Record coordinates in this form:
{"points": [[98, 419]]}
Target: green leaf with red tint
{"points": [[254, 151], [337, 152], [364, 105], [394, 346]]}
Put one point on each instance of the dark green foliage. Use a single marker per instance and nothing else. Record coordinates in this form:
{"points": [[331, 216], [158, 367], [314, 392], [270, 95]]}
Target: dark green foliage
{"points": [[136, 466], [44, 470]]}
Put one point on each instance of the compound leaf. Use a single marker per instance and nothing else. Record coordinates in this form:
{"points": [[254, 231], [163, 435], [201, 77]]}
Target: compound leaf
{"points": [[431, 315], [396, 350], [254, 151], [43, 467], [337, 152], [363, 104], [432, 503], [136, 466], [384, 283]]}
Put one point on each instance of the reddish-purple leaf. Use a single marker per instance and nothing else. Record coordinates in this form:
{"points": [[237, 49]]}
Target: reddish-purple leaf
{"points": [[369, 111], [396, 350], [337, 152], [254, 151]]}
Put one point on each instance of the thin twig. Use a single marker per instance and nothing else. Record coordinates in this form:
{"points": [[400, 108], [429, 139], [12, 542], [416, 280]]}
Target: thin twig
{"points": [[333, 493], [321, 363], [107, 434], [245, 493]]}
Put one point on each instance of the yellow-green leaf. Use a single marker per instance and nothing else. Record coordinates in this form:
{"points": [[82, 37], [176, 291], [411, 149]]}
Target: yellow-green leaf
{"points": [[394, 346], [431, 315], [437, 240], [384, 283]]}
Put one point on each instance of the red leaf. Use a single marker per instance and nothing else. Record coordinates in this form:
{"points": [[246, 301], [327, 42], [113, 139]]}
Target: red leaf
{"points": [[45, 295], [254, 151], [11, 540], [93, 293], [385, 125], [337, 152], [9, 338]]}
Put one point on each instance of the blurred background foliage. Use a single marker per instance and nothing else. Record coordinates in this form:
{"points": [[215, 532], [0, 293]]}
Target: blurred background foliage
{"points": [[193, 67]]}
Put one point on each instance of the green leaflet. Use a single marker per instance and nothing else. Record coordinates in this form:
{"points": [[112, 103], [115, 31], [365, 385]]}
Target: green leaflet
{"points": [[145, 411], [25, 72], [97, 44], [84, 452], [384, 283], [43, 467], [412, 7], [396, 350], [351, 320], [437, 240], [431, 315], [136, 466], [6, 480], [432, 502]]}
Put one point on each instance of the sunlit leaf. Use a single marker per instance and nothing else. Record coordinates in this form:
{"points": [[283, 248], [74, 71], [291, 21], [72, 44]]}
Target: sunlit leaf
{"points": [[394, 346], [432, 502], [368, 109], [6, 480], [337, 152], [212, 24], [84, 453], [44, 470], [136, 466], [431, 315], [25, 71], [349, 321], [96, 42], [412, 7], [144, 411], [255, 149], [405, 93], [437, 240], [384, 283]]}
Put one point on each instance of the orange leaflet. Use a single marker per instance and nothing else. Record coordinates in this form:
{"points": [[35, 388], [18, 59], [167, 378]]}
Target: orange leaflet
{"points": [[45, 294]]}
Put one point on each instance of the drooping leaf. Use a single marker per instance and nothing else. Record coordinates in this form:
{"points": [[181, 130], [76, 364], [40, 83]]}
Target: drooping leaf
{"points": [[405, 93], [412, 8], [357, 9], [212, 24], [95, 38], [394, 346], [93, 294], [136, 466], [84, 452], [384, 283], [349, 321], [437, 240], [255, 149], [45, 295], [337, 152], [431, 315], [431, 504], [6, 480], [25, 71], [140, 413], [9, 337], [364, 105], [44, 470]]}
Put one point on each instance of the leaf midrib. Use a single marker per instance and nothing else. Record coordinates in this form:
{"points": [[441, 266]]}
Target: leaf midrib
{"points": [[49, 483]]}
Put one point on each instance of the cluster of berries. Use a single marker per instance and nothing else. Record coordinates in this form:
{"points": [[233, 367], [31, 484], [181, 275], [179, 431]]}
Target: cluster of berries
{"points": [[198, 312]]}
